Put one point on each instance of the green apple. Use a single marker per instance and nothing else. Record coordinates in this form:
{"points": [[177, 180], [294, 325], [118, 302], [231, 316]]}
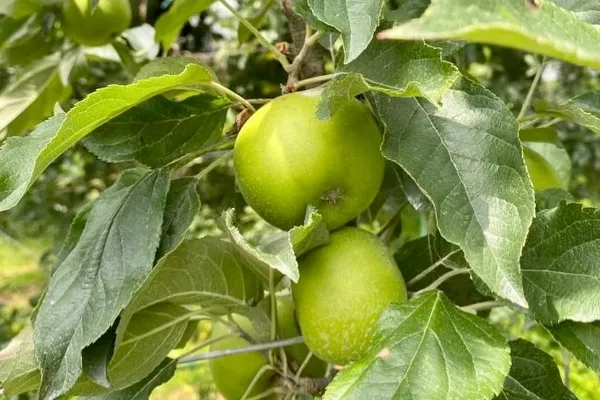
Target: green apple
{"points": [[95, 27], [286, 159], [344, 287], [232, 375], [288, 328]]}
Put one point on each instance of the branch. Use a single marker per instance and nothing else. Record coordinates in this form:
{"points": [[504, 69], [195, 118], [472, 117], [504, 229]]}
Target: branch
{"points": [[296, 67], [431, 268], [443, 279], [241, 350], [483, 306], [263, 40], [532, 88]]}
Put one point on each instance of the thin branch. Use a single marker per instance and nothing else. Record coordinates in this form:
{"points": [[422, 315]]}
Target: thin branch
{"points": [[316, 79], [231, 94], [213, 165], [273, 299], [431, 268], [263, 40], [241, 350], [483, 306], [303, 365], [443, 279], [532, 88], [257, 376], [309, 41], [202, 345]]}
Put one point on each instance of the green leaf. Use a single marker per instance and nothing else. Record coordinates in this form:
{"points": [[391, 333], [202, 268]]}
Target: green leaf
{"points": [[302, 8], [582, 340], [19, 8], [159, 131], [419, 255], [18, 366], [473, 173], [183, 204], [533, 375], [21, 162], [561, 270], [206, 272], [427, 349], [404, 69], [169, 24], [142, 389], [150, 335], [583, 110], [356, 20], [32, 94], [547, 161], [281, 253], [98, 278], [545, 29], [96, 357], [551, 198], [75, 230], [586, 10], [407, 9]]}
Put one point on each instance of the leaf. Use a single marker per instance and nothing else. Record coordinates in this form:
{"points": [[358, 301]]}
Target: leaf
{"points": [[208, 273], [473, 173], [586, 10], [302, 8], [169, 24], [356, 20], [545, 29], [407, 10], [583, 110], [281, 253], [159, 131], [150, 335], [402, 69], [142, 389], [21, 162], [533, 375], [551, 198], [97, 279], [18, 366], [582, 340], [18, 9], [183, 204], [427, 349], [73, 236], [561, 269], [36, 88], [419, 255], [96, 357], [547, 161]]}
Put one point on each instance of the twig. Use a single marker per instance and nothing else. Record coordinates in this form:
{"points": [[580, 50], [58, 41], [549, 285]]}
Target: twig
{"points": [[213, 165], [241, 350], [278, 55], [443, 279], [483, 306], [294, 71], [257, 376], [310, 81], [303, 365], [202, 345], [532, 88], [231, 94], [431, 268]]}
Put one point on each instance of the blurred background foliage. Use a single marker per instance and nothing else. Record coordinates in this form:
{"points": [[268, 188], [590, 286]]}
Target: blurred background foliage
{"points": [[31, 233]]}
